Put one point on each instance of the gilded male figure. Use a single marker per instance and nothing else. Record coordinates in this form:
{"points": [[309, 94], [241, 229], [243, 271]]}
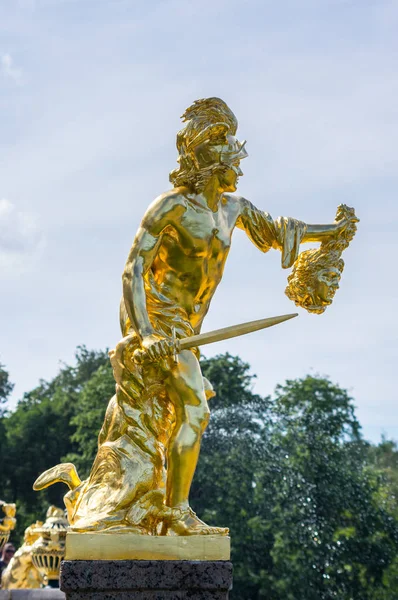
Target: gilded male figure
{"points": [[175, 264]]}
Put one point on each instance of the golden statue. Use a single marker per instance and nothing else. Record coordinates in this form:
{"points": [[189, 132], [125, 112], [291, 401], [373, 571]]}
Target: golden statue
{"points": [[149, 444], [7, 523], [21, 572]]}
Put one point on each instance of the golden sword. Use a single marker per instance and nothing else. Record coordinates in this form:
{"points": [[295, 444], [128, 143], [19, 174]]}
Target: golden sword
{"points": [[217, 335]]}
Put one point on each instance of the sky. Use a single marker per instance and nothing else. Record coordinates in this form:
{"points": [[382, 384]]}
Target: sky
{"points": [[91, 92]]}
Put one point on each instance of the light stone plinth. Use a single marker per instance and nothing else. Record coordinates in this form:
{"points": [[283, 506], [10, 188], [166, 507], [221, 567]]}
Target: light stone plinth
{"points": [[126, 546]]}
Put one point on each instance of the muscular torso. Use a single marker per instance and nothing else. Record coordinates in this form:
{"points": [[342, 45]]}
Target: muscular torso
{"points": [[190, 258]]}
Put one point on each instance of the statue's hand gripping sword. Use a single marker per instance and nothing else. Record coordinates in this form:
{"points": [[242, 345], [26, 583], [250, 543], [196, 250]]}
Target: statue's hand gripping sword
{"points": [[217, 335]]}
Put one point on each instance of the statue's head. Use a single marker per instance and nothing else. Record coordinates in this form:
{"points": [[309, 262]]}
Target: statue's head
{"points": [[9, 509], [315, 279], [207, 146]]}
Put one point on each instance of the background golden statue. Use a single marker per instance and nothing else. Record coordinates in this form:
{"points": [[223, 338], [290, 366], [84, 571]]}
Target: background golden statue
{"points": [[149, 444], [21, 572], [37, 562], [7, 521]]}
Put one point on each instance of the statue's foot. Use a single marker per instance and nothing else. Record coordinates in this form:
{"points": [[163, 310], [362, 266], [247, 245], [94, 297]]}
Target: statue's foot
{"points": [[64, 473], [186, 522]]}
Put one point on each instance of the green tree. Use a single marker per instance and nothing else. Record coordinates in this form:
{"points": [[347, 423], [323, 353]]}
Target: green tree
{"points": [[333, 535], [39, 433], [384, 459], [312, 508], [235, 448], [6, 388], [88, 419], [291, 479]]}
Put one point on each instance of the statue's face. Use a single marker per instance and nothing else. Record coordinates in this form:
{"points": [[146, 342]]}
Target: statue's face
{"points": [[10, 510], [229, 178], [315, 279], [326, 284]]}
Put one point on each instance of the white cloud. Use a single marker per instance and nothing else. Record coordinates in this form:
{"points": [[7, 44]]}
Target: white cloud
{"points": [[20, 238], [9, 69]]}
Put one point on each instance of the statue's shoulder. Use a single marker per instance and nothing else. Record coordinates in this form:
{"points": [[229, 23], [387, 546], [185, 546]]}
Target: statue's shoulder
{"points": [[170, 203], [168, 200], [235, 203], [243, 205]]}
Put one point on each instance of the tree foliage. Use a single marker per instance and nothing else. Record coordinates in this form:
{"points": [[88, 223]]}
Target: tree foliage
{"points": [[39, 433], [291, 478], [6, 387], [311, 506]]}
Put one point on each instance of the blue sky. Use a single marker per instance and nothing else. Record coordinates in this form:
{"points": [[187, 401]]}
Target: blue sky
{"points": [[90, 97]]}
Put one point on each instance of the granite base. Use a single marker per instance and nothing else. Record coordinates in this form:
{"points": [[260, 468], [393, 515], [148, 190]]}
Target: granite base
{"points": [[145, 579]]}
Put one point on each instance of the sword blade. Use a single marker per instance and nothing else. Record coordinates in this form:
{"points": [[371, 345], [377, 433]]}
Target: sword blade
{"points": [[226, 333]]}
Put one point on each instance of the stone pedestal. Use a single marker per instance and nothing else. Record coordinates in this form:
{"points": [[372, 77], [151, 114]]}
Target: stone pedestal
{"points": [[146, 579]]}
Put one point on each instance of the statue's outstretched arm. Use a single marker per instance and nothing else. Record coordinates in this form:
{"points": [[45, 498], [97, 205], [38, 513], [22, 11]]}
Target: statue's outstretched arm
{"points": [[258, 225], [321, 233], [283, 233]]}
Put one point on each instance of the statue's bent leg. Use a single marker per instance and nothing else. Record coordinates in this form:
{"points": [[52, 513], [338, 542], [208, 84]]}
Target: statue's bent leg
{"points": [[186, 391]]}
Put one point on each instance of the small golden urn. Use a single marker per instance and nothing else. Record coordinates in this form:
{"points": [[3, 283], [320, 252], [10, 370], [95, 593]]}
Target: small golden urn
{"points": [[49, 550]]}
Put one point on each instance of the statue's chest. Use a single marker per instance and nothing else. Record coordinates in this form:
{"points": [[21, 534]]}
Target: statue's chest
{"points": [[202, 232]]}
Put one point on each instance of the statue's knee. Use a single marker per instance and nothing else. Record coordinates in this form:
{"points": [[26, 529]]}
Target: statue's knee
{"points": [[209, 390], [205, 418], [199, 417]]}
